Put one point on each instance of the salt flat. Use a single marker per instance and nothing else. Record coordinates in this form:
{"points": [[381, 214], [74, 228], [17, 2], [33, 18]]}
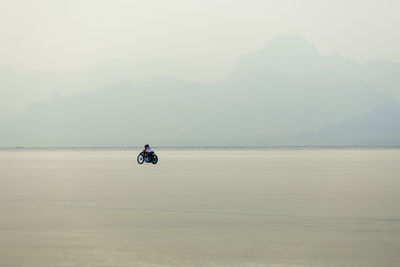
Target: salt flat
{"points": [[319, 207]]}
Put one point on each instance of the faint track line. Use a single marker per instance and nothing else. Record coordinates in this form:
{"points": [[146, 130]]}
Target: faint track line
{"points": [[241, 214]]}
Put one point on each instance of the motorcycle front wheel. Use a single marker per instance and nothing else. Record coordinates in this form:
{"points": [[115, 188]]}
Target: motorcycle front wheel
{"points": [[140, 158], [155, 159]]}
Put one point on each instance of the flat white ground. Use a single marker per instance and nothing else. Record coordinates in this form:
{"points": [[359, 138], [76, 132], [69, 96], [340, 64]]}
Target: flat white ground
{"points": [[200, 208]]}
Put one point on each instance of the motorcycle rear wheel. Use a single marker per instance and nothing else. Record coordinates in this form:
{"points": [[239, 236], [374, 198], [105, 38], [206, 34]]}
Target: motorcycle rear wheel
{"points": [[155, 159]]}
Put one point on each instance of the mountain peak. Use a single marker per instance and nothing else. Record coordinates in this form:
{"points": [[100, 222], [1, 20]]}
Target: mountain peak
{"points": [[286, 54], [292, 44]]}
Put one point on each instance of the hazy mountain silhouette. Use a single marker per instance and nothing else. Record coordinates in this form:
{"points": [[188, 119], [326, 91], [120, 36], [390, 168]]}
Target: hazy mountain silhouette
{"points": [[288, 55], [20, 88], [285, 94], [383, 74], [380, 127], [293, 55]]}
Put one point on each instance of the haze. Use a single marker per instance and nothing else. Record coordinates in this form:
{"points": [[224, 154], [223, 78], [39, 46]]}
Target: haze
{"points": [[196, 40], [82, 73]]}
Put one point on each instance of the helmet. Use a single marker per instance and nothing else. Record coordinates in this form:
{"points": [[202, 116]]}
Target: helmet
{"points": [[147, 145]]}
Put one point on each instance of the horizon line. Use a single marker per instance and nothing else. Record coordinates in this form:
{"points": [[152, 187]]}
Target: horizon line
{"points": [[204, 147]]}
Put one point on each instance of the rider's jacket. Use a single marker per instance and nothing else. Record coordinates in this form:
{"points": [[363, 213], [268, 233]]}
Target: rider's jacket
{"points": [[148, 149]]}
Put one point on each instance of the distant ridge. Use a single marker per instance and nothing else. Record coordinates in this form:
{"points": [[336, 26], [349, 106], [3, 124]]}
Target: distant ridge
{"points": [[286, 94]]}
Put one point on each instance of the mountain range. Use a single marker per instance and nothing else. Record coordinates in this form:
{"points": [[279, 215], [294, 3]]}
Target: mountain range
{"points": [[286, 93]]}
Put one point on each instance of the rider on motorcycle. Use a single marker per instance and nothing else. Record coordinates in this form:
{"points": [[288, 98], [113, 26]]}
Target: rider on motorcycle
{"points": [[147, 155]]}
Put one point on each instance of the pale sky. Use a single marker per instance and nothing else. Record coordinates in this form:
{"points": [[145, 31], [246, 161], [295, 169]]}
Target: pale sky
{"points": [[198, 40]]}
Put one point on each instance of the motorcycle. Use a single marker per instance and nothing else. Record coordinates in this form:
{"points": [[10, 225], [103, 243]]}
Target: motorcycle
{"points": [[147, 157]]}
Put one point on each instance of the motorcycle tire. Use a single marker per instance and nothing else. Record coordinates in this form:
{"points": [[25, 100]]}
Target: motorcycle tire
{"points": [[140, 158], [155, 159]]}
